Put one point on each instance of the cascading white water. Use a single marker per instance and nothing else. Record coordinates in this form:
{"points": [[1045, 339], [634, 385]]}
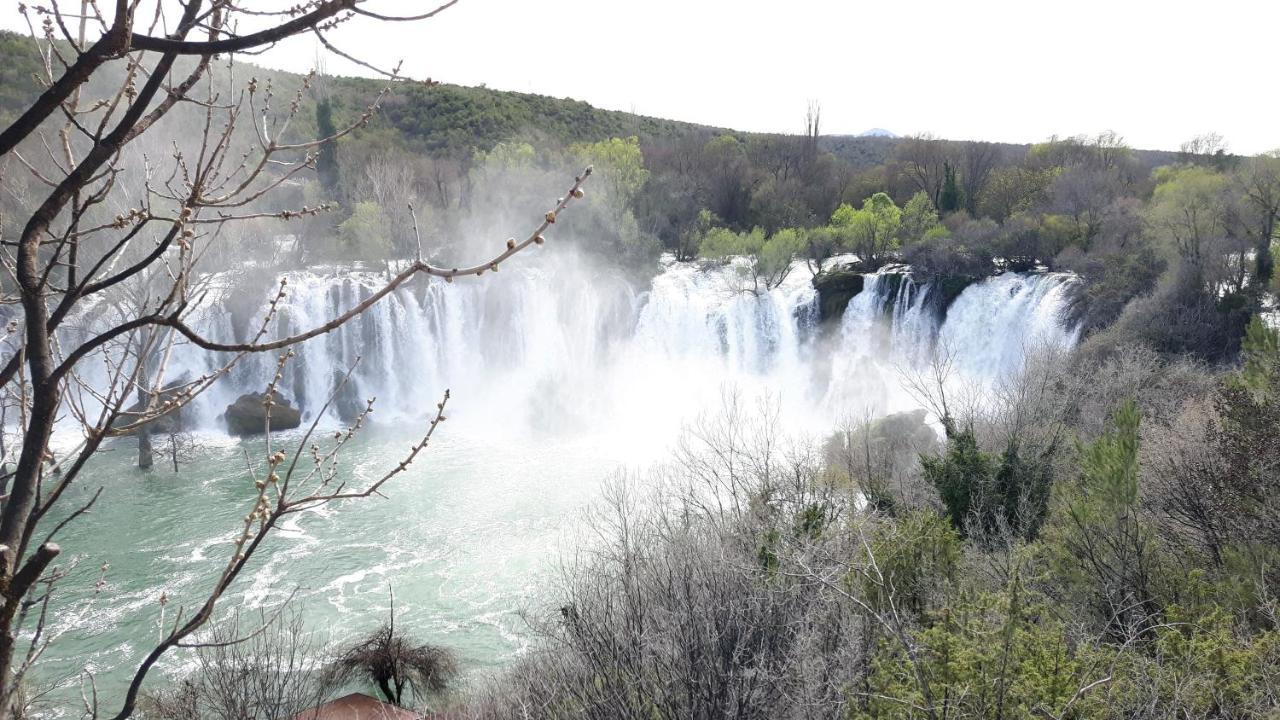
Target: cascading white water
{"points": [[561, 373], [563, 346]]}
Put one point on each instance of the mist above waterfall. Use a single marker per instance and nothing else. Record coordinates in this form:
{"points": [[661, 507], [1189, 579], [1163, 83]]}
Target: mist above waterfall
{"points": [[560, 343]]}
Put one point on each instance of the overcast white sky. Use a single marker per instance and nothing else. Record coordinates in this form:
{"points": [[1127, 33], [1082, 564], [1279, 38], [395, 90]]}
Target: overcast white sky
{"points": [[1157, 72]]}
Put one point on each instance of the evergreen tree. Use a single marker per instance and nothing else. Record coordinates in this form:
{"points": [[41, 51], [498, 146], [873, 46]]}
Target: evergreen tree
{"points": [[327, 160], [951, 198], [961, 476], [986, 493]]}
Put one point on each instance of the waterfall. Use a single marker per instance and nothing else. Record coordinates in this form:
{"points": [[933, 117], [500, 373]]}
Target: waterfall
{"points": [[560, 373], [556, 345]]}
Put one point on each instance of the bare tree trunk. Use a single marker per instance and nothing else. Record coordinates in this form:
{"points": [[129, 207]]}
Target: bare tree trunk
{"points": [[145, 457]]}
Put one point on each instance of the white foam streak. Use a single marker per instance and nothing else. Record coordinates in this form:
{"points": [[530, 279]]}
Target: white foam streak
{"points": [[559, 346]]}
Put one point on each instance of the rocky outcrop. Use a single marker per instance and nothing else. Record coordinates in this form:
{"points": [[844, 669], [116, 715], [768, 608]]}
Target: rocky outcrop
{"points": [[248, 414], [838, 286], [946, 288], [835, 289], [346, 400]]}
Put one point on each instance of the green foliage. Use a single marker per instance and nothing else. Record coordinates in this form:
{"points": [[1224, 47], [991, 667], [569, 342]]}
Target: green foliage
{"points": [[1097, 541], [1275, 277], [843, 216], [1265, 266], [821, 243], [1260, 376], [767, 555], [1109, 466], [1021, 490], [811, 521], [451, 118], [960, 475], [505, 157], [1112, 284], [914, 557], [1188, 207], [919, 219], [691, 238], [366, 235], [871, 231], [1200, 666], [1009, 654], [951, 199], [1247, 445], [767, 259], [721, 243], [993, 655], [779, 252], [327, 161], [725, 148], [937, 233], [619, 163], [987, 493], [1015, 189], [18, 75]]}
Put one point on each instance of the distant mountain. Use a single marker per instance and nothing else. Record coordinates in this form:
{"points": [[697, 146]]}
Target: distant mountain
{"points": [[878, 132]]}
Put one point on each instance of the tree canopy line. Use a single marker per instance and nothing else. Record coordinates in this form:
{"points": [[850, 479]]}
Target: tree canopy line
{"points": [[1188, 233], [1095, 537]]}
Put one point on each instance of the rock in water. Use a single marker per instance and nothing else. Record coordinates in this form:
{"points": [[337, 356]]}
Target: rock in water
{"points": [[248, 416], [346, 399]]}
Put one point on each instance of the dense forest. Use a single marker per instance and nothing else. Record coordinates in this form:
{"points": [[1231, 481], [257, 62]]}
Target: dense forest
{"points": [[1097, 536]]}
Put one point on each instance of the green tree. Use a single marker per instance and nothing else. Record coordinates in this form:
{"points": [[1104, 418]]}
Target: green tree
{"points": [[691, 238], [1247, 443], [1104, 549], [1188, 209], [820, 245], [327, 160], [960, 475], [764, 260], [870, 232], [1260, 375], [843, 216], [998, 655], [727, 179], [365, 235], [914, 558], [777, 254], [505, 157], [722, 244], [951, 199], [918, 218], [619, 164], [1275, 277], [1258, 182], [987, 493]]}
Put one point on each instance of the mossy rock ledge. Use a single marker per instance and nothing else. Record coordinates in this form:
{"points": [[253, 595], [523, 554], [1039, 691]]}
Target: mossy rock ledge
{"points": [[945, 290], [248, 415], [835, 289]]}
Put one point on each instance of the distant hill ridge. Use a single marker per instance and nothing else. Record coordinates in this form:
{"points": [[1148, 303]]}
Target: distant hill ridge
{"points": [[445, 117]]}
